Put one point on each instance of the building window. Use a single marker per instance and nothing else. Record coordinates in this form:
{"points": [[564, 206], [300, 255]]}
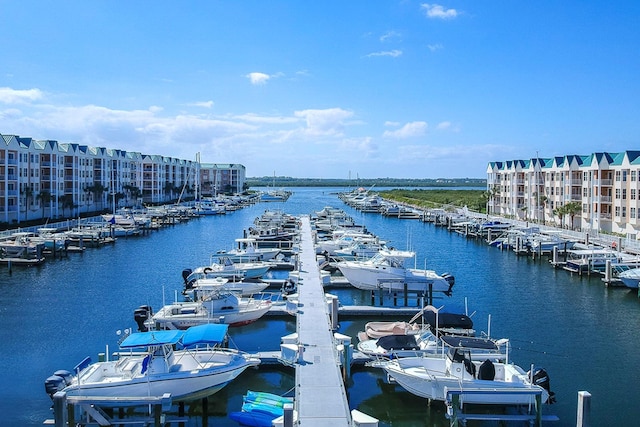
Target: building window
{"points": [[624, 176], [632, 213], [617, 210], [617, 175], [633, 194], [624, 194], [617, 193], [633, 175]]}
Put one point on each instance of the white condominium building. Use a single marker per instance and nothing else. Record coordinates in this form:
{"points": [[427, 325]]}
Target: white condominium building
{"points": [[598, 191], [50, 179]]}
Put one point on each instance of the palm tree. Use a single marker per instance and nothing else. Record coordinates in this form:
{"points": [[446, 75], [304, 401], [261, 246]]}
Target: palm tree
{"points": [[27, 192], [97, 189], [572, 209], [490, 195], [560, 212], [45, 198], [131, 191], [66, 201]]}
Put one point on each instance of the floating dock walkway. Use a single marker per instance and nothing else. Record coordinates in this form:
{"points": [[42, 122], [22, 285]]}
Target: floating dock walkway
{"points": [[320, 397]]}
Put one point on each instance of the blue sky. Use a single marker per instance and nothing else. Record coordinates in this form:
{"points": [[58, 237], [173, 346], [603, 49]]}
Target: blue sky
{"points": [[329, 89]]}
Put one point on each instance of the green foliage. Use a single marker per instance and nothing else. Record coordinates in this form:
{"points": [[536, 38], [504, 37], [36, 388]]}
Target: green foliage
{"points": [[473, 199]]}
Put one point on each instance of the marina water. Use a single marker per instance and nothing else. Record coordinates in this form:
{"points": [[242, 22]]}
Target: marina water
{"points": [[584, 334]]}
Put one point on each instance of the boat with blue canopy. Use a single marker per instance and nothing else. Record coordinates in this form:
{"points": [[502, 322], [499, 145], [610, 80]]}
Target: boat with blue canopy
{"points": [[188, 364]]}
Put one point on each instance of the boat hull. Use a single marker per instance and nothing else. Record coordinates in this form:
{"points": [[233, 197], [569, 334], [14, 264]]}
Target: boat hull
{"points": [[432, 378], [182, 385]]}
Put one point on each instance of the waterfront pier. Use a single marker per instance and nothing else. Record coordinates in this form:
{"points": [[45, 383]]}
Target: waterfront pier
{"points": [[320, 396]]}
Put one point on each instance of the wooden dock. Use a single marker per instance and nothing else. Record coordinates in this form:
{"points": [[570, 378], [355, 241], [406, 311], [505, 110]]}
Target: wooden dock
{"points": [[320, 397]]}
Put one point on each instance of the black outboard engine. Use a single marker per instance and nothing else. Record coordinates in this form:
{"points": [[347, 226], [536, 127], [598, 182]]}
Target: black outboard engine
{"points": [[451, 280], [56, 382], [141, 315], [487, 371], [53, 384], [185, 273], [541, 378]]}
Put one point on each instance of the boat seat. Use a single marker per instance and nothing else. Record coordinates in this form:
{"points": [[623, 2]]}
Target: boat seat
{"points": [[175, 368]]}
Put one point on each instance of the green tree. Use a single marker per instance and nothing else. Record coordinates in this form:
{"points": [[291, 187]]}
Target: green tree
{"points": [[66, 201], [45, 198], [560, 212], [27, 192], [98, 190], [572, 209]]}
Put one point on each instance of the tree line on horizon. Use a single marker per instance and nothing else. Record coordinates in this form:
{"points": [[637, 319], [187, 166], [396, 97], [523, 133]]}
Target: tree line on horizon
{"points": [[283, 181]]}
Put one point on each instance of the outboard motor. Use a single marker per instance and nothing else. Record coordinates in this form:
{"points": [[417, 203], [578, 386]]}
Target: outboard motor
{"points": [[66, 375], [54, 384], [487, 371], [451, 280], [141, 315], [541, 378], [185, 273]]}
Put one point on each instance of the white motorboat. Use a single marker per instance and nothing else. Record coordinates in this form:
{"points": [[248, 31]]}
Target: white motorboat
{"points": [[344, 240], [217, 307], [360, 250], [430, 318], [200, 289], [544, 243], [222, 266], [187, 364], [427, 343], [487, 382], [630, 278], [247, 250], [387, 270], [587, 260]]}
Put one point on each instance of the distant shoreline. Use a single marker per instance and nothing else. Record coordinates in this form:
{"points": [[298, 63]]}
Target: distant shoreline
{"points": [[366, 183]]}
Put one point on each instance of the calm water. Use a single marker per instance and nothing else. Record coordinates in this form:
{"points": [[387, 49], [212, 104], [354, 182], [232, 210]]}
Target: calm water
{"points": [[584, 334]]}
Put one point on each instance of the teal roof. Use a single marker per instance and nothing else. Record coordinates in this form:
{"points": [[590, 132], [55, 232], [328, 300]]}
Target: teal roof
{"points": [[634, 157]]}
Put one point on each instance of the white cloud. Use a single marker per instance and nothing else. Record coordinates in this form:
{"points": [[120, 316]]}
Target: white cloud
{"points": [[256, 118], [389, 35], [15, 96], [409, 130], [330, 121], [364, 147], [203, 104], [434, 47], [258, 78], [393, 53], [437, 11]]}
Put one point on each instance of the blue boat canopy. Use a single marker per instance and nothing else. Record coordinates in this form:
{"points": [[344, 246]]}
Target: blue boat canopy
{"points": [[146, 339], [211, 333]]}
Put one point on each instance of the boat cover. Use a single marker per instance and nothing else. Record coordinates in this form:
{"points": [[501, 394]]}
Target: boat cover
{"points": [[146, 339], [448, 320], [469, 342], [211, 333], [398, 342]]}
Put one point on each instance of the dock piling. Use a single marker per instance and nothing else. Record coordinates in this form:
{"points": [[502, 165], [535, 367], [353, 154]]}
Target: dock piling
{"points": [[584, 409]]}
